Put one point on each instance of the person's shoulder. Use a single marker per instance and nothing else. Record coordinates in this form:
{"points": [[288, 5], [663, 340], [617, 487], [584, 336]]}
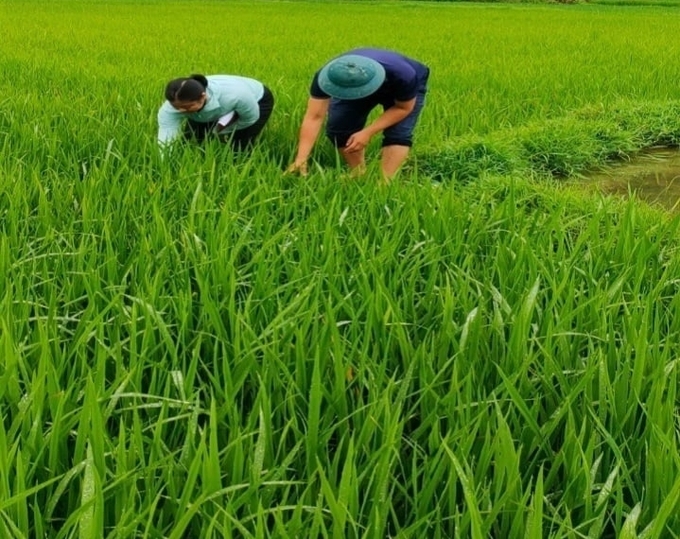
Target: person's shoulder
{"points": [[166, 109], [377, 52], [231, 81], [218, 78], [391, 60], [220, 86], [315, 90]]}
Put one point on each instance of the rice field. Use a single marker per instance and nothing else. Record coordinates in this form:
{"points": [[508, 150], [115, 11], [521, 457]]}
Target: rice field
{"points": [[205, 347]]}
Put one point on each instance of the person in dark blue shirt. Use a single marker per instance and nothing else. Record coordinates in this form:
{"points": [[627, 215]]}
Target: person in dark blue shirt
{"points": [[346, 89]]}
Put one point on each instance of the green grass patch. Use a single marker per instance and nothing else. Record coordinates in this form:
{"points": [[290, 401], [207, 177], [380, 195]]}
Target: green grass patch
{"points": [[561, 147], [205, 347]]}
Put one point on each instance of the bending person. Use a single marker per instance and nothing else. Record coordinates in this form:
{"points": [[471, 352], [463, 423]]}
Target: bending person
{"points": [[233, 108], [346, 89]]}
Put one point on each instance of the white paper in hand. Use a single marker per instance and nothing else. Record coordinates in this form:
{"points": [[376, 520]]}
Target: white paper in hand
{"points": [[224, 121]]}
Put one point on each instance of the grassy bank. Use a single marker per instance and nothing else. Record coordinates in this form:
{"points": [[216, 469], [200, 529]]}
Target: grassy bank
{"points": [[558, 148]]}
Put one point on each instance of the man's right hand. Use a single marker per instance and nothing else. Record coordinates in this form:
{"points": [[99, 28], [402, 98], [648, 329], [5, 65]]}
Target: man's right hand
{"points": [[298, 168]]}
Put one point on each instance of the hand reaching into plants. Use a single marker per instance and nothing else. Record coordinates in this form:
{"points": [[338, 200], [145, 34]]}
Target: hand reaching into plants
{"points": [[358, 141], [298, 168]]}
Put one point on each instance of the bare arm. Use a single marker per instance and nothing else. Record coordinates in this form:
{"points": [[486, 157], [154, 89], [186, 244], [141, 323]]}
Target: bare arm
{"points": [[309, 131]]}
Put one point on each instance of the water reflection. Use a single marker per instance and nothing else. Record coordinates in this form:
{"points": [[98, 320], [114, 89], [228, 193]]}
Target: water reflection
{"points": [[653, 175]]}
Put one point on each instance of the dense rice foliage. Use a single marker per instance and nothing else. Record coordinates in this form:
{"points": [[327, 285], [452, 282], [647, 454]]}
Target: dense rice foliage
{"points": [[203, 347]]}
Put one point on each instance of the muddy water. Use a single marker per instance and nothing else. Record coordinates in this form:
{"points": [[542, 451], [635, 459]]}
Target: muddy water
{"points": [[653, 175]]}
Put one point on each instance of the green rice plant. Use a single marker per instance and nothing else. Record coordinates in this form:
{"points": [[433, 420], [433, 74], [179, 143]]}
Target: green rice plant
{"points": [[202, 346], [562, 147]]}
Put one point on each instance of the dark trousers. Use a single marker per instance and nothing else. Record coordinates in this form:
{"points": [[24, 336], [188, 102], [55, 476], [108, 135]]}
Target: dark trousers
{"points": [[240, 139]]}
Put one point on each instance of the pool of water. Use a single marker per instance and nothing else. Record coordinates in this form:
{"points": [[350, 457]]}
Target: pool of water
{"points": [[653, 175]]}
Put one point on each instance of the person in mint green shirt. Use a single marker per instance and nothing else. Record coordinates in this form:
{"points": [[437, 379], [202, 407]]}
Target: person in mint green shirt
{"points": [[234, 109]]}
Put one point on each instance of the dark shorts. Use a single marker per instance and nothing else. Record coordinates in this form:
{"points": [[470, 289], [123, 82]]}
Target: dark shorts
{"points": [[346, 117], [241, 138]]}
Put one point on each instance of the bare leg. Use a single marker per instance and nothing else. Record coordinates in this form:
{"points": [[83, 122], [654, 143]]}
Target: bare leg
{"points": [[392, 158], [355, 160]]}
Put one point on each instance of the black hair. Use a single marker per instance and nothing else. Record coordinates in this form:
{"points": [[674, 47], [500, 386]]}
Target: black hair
{"points": [[186, 89]]}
